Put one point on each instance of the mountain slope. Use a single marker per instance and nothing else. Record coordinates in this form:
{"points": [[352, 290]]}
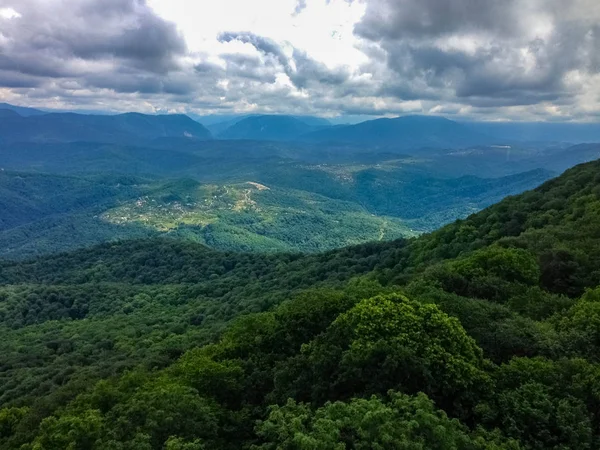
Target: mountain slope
{"points": [[21, 110], [219, 124], [558, 222], [127, 128], [406, 132], [28, 197], [268, 127], [253, 217]]}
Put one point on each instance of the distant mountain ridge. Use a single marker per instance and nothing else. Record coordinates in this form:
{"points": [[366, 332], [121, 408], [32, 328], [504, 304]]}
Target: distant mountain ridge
{"points": [[571, 132], [127, 128], [270, 127], [219, 124], [403, 132], [21, 110]]}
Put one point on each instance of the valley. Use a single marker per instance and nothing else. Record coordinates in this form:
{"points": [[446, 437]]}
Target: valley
{"points": [[169, 292], [319, 196], [253, 217]]}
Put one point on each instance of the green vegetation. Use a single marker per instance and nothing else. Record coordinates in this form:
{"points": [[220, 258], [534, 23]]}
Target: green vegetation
{"points": [[252, 216], [481, 335], [265, 207]]}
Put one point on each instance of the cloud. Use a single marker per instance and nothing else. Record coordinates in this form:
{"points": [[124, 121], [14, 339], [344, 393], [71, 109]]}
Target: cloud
{"points": [[264, 45], [300, 6], [74, 38], [9, 13], [11, 79], [524, 59], [302, 70], [486, 52]]}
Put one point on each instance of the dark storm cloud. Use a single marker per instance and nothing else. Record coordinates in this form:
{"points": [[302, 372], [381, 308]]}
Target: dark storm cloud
{"points": [[309, 70], [485, 52], [151, 43], [11, 79], [75, 38], [249, 68], [397, 19], [145, 83]]}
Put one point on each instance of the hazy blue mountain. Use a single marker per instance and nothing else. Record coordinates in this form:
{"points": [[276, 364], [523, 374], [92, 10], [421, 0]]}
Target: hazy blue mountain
{"points": [[86, 157], [123, 128], [403, 132], [216, 128], [272, 128], [314, 121], [268, 127], [222, 122], [212, 119], [8, 114], [21, 110], [496, 161], [562, 159], [539, 131]]}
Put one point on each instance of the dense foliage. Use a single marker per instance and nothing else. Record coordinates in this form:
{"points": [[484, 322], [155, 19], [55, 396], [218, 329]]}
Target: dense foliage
{"points": [[482, 335]]}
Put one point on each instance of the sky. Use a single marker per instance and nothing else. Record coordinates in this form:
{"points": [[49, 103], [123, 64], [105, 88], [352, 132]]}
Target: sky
{"points": [[528, 60]]}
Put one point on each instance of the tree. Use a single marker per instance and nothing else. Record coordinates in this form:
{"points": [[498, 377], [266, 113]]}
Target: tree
{"points": [[387, 342], [10, 419], [580, 327], [535, 417], [545, 403], [70, 432], [403, 423]]}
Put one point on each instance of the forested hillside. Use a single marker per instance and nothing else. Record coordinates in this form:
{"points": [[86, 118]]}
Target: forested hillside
{"points": [[481, 335], [262, 204]]}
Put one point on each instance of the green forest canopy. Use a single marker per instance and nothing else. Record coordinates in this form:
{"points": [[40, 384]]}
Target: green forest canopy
{"points": [[482, 335]]}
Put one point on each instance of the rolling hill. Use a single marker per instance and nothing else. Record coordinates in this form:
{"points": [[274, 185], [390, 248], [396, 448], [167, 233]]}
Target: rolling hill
{"points": [[277, 207]]}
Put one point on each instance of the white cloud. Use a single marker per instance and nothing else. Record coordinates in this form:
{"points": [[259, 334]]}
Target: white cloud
{"points": [[9, 13], [323, 29]]}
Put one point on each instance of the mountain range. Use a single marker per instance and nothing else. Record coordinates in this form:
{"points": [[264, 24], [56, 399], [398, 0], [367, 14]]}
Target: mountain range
{"points": [[407, 132], [127, 128], [271, 128], [72, 180]]}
